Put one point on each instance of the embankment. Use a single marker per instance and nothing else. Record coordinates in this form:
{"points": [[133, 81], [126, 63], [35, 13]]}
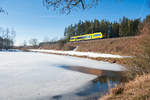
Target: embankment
{"points": [[120, 46]]}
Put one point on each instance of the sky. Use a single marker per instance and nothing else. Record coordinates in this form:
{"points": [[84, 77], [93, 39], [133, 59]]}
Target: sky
{"points": [[31, 19]]}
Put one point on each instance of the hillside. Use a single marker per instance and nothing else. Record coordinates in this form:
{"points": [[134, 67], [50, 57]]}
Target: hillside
{"points": [[139, 68], [122, 46]]}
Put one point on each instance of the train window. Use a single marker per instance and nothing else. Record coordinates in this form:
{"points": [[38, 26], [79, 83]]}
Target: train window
{"points": [[80, 37], [83, 37], [86, 36], [96, 35]]}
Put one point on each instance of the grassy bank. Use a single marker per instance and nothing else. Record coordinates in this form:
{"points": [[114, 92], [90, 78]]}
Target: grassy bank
{"points": [[138, 85], [137, 89], [121, 46]]}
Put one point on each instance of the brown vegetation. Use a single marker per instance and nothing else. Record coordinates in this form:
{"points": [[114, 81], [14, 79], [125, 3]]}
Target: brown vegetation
{"points": [[122, 46], [138, 89]]}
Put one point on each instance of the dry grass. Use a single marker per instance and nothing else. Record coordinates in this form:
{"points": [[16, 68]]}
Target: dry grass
{"points": [[122, 46], [139, 67], [138, 89], [141, 63]]}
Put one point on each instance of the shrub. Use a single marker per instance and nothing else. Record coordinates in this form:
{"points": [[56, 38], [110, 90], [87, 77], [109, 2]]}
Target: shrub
{"points": [[61, 44]]}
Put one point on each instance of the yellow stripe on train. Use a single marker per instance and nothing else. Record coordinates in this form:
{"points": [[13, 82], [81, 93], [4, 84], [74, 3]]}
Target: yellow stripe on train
{"points": [[97, 35]]}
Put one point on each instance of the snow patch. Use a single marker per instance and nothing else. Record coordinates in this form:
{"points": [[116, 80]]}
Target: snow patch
{"points": [[88, 54]]}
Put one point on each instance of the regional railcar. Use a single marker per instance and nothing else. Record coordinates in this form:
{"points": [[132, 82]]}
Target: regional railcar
{"points": [[97, 35]]}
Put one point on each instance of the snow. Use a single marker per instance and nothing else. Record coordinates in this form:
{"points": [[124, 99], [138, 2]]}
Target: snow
{"points": [[30, 75], [77, 53]]}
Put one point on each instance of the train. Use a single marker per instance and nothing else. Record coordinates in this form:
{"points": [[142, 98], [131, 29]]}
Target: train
{"points": [[91, 36]]}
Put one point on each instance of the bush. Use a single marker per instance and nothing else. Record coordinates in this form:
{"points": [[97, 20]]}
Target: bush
{"points": [[141, 63], [67, 47], [61, 43]]}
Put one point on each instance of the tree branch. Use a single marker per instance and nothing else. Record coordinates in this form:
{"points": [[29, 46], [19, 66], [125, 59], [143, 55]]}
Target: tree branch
{"points": [[3, 11]]}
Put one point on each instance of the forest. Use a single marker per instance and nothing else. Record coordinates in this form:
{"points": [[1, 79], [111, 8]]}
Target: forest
{"points": [[125, 27]]}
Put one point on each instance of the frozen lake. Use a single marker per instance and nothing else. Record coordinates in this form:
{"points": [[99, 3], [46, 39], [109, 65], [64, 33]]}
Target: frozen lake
{"points": [[37, 76]]}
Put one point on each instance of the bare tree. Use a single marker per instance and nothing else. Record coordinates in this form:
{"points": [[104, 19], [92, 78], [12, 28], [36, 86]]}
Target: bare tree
{"points": [[1, 37], [7, 38], [33, 42], [65, 6], [24, 43], [3, 11]]}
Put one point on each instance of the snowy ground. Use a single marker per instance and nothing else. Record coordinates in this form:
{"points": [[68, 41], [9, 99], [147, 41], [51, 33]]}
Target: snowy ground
{"points": [[76, 53], [31, 76]]}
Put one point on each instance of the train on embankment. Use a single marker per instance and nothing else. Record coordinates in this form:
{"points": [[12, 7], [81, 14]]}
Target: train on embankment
{"points": [[91, 36]]}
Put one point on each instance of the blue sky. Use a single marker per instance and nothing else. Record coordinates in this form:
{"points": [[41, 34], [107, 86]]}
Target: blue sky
{"points": [[31, 19]]}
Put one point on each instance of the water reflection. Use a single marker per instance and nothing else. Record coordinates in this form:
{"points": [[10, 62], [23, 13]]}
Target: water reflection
{"points": [[94, 89]]}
